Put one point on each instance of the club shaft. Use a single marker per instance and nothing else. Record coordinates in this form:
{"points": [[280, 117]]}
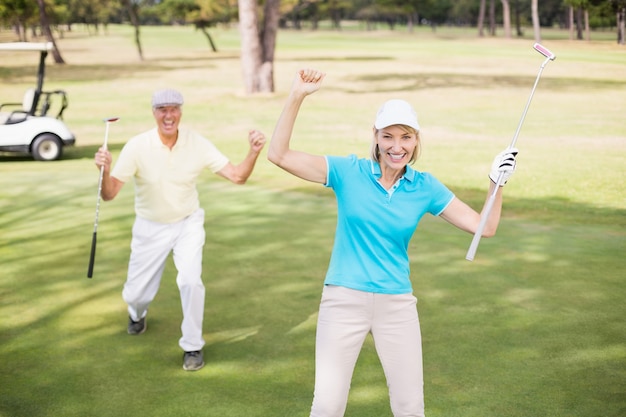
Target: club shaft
{"points": [[471, 252], [530, 97], [92, 256], [95, 223]]}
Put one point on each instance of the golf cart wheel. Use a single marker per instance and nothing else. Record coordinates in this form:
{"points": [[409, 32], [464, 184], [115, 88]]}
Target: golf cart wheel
{"points": [[47, 147]]}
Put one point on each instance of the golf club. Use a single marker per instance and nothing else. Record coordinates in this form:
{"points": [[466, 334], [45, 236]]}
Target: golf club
{"points": [[92, 257], [471, 252]]}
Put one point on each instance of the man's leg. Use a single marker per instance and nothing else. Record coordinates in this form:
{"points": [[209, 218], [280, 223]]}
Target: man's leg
{"points": [[150, 246], [188, 261]]}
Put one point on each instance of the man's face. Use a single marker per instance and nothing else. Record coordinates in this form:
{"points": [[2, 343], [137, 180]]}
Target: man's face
{"points": [[167, 118]]}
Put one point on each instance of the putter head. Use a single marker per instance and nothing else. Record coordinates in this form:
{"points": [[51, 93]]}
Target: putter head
{"points": [[544, 51], [111, 119]]}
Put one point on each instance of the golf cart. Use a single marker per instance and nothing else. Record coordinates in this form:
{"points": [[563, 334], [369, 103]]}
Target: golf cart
{"points": [[27, 127]]}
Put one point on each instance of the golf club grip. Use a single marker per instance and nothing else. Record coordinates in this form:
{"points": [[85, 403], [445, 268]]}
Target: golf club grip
{"points": [[92, 257]]}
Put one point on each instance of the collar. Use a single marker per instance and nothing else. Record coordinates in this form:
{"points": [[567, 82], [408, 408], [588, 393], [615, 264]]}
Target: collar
{"points": [[156, 140], [409, 173]]}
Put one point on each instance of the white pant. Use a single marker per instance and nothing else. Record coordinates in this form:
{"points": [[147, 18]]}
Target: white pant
{"points": [[345, 318], [150, 246]]}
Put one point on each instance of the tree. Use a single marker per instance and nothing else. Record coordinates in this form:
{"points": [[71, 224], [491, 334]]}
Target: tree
{"points": [[132, 6], [619, 6], [204, 14], [535, 18], [18, 13], [481, 17], [621, 25], [492, 17], [506, 18], [258, 44], [45, 26]]}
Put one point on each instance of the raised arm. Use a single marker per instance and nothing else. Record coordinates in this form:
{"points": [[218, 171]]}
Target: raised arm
{"points": [[301, 164], [466, 218]]}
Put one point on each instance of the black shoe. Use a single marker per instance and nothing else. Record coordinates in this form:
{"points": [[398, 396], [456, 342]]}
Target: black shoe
{"points": [[136, 327], [192, 361]]}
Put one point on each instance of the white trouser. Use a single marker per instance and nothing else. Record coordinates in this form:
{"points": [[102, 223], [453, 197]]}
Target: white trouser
{"points": [[150, 246], [345, 318]]}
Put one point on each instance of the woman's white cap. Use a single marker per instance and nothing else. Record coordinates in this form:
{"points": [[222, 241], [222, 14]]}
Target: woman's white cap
{"points": [[396, 112]]}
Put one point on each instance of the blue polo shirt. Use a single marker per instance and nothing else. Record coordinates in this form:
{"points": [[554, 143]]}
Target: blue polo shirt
{"points": [[375, 225]]}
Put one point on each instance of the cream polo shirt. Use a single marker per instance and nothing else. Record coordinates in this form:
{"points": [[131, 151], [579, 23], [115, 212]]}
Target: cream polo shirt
{"points": [[165, 180]]}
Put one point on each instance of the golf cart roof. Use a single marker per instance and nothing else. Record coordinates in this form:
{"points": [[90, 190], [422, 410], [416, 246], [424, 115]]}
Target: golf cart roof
{"points": [[26, 46], [42, 47]]}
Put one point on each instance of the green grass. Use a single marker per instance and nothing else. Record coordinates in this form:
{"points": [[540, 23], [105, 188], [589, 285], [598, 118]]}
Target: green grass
{"points": [[533, 327]]}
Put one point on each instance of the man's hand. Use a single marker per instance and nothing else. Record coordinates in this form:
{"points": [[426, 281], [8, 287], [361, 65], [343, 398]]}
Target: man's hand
{"points": [[103, 158], [257, 140]]}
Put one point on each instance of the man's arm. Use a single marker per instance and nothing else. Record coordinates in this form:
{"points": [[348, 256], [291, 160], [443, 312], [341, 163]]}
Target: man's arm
{"points": [[240, 173]]}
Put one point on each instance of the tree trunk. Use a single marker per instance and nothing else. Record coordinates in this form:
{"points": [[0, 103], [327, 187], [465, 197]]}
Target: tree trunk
{"points": [[621, 25], [45, 27], [17, 28], [587, 30], [481, 18], [506, 18], [209, 38], [134, 19], [250, 45], [518, 23], [492, 14], [571, 23], [268, 40], [258, 45], [579, 23], [535, 17]]}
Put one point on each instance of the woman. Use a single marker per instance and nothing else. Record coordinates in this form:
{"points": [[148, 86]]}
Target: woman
{"points": [[367, 287]]}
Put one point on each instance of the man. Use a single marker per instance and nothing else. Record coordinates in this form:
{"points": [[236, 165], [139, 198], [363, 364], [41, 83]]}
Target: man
{"points": [[165, 163]]}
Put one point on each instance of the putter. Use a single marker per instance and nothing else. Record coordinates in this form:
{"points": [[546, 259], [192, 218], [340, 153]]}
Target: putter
{"points": [[471, 252], [92, 257]]}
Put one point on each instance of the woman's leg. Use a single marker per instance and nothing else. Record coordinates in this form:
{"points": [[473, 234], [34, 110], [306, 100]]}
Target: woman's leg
{"points": [[398, 341], [342, 326]]}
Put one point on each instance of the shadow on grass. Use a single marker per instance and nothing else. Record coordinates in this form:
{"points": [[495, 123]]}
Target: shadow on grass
{"points": [[88, 152], [101, 72], [511, 322], [69, 153], [370, 82], [420, 81], [563, 210]]}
